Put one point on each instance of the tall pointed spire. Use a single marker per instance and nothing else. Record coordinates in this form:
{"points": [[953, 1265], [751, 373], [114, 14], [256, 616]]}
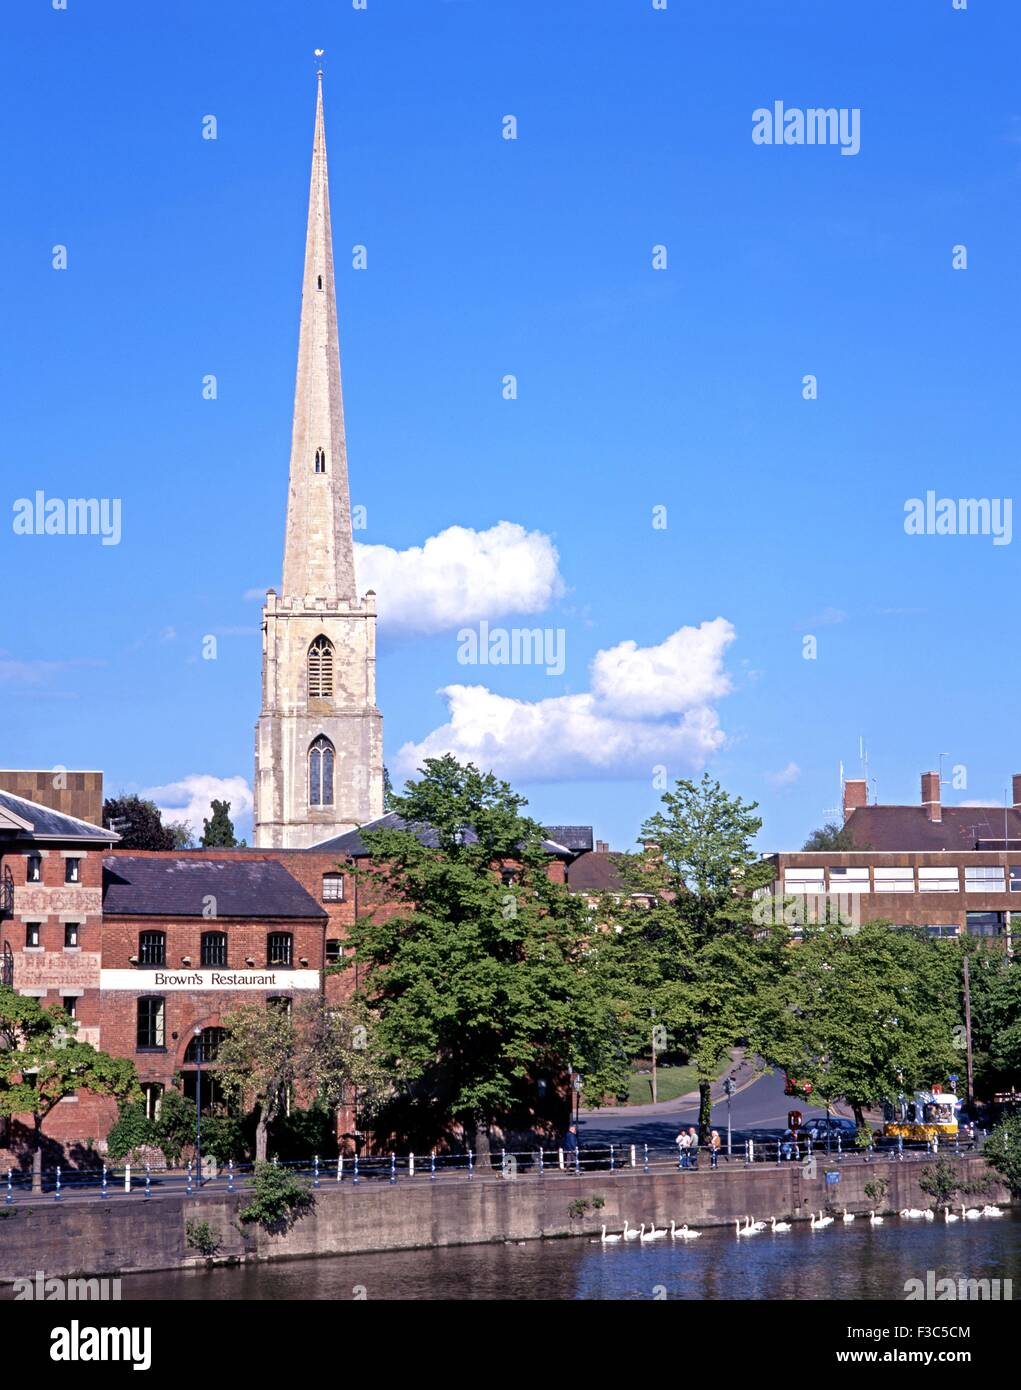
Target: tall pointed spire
{"points": [[318, 548]]}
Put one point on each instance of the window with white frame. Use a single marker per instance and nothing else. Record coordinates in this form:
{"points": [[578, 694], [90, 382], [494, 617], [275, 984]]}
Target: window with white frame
{"points": [[942, 878], [801, 880], [854, 879], [984, 878], [893, 880]]}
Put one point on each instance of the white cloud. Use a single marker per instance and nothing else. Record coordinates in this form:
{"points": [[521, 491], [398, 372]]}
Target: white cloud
{"points": [[607, 732], [460, 576], [189, 800], [684, 670], [786, 777]]}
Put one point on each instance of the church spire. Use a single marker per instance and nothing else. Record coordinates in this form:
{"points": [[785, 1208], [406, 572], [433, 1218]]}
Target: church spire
{"points": [[318, 549]]}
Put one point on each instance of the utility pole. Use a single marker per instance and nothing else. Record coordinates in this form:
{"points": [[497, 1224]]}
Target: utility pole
{"points": [[967, 1029]]}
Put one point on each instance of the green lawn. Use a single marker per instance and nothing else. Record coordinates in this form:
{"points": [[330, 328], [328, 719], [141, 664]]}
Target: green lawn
{"points": [[671, 1082]]}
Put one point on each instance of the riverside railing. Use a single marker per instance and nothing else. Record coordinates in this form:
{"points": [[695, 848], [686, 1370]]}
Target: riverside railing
{"points": [[143, 1182]]}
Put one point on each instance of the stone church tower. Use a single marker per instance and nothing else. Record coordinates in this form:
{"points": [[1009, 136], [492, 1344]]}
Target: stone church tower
{"points": [[319, 739]]}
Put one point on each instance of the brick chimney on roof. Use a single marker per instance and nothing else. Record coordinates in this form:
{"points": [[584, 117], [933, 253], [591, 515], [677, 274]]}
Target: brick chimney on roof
{"points": [[855, 795], [1016, 782], [930, 796]]}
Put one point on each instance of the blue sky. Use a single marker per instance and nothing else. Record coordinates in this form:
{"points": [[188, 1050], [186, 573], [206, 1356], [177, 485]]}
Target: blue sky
{"points": [[637, 388]]}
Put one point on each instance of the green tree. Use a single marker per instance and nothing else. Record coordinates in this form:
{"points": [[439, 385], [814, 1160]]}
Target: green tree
{"points": [[864, 1014], [218, 831], [388, 791], [687, 950], [995, 1015], [830, 836], [1002, 1151], [270, 1053], [41, 1063], [144, 828], [478, 967], [279, 1197]]}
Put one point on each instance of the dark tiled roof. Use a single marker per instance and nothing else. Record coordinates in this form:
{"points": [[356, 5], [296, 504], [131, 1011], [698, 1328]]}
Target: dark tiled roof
{"points": [[594, 872], [909, 827], [139, 886], [48, 824], [573, 837], [351, 842]]}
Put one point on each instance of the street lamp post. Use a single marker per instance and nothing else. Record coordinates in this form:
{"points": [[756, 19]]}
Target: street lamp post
{"points": [[728, 1090], [198, 1102]]}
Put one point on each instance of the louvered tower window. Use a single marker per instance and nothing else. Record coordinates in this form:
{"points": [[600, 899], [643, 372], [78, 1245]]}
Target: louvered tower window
{"points": [[320, 460], [320, 669]]}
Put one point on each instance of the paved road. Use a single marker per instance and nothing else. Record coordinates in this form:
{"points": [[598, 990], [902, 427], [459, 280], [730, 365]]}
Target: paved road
{"points": [[760, 1106]]}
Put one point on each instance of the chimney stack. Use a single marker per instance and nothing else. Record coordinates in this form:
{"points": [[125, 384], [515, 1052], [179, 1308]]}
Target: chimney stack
{"points": [[855, 795], [1016, 783], [602, 846], [930, 796]]}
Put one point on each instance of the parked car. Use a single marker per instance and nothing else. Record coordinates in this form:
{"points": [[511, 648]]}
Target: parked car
{"points": [[822, 1131]]}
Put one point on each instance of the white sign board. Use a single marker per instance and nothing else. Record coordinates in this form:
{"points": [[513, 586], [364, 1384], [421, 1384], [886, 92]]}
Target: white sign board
{"points": [[164, 981]]}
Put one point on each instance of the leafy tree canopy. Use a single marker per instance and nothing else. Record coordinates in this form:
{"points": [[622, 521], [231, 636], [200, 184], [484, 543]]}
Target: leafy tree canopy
{"points": [[830, 836], [144, 828]]}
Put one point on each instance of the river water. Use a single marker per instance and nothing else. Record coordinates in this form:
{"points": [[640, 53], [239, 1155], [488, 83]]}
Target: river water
{"points": [[856, 1261]]}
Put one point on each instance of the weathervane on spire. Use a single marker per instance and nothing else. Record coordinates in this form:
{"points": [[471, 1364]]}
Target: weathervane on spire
{"points": [[319, 61]]}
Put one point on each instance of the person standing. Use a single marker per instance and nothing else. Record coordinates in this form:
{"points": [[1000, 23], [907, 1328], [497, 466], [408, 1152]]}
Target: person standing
{"points": [[693, 1147], [683, 1149], [714, 1148]]}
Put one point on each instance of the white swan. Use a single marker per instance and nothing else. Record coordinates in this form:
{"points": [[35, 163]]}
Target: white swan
{"points": [[875, 1220], [819, 1221], [685, 1234], [970, 1213], [848, 1215], [643, 1234], [756, 1225], [654, 1234], [746, 1230], [930, 1215], [988, 1210], [948, 1215], [609, 1240], [630, 1233], [911, 1213], [779, 1225]]}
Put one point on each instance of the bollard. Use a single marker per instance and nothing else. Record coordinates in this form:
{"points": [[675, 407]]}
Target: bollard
{"points": [[230, 1175], [127, 1177], [432, 1166], [751, 1150], [542, 1167], [340, 1167], [411, 1165], [560, 1154], [471, 1169], [633, 1164], [102, 1191], [645, 1157], [840, 1147], [393, 1168], [315, 1171], [10, 1189], [148, 1187], [503, 1163], [611, 1158], [56, 1193], [189, 1178], [778, 1154], [577, 1160], [355, 1179]]}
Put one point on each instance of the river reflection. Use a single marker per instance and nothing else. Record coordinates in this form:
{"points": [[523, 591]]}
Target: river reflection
{"points": [[843, 1262]]}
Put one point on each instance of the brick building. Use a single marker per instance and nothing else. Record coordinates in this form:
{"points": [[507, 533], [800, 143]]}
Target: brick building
{"points": [[948, 869], [51, 877], [186, 939]]}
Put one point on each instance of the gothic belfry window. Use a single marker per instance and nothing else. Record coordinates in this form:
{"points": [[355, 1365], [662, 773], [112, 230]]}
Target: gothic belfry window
{"points": [[320, 669], [320, 772], [320, 460]]}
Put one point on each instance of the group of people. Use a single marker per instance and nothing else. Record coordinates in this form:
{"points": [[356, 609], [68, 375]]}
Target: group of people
{"points": [[688, 1145]]}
